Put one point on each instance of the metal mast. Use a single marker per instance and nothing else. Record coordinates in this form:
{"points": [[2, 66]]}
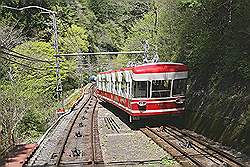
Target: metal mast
{"points": [[59, 87]]}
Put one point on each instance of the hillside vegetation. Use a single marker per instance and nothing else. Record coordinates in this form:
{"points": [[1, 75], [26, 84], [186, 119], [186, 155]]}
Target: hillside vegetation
{"points": [[211, 36]]}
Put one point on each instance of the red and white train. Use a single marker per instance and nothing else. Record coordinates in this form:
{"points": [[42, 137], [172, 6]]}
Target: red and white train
{"points": [[145, 90]]}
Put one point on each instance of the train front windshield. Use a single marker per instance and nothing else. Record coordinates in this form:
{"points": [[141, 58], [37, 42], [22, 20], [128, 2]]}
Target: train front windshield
{"points": [[159, 88], [179, 87]]}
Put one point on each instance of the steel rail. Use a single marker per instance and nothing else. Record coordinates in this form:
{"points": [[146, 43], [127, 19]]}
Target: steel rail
{"points": [[69, 131], [40, 141], [93, 157], [57, 121], [175, 147], [220, 152], [174, 134]]}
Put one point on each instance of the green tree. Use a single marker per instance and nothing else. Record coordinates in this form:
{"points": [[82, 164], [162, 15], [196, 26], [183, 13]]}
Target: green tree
{"points": [[74, 40]]}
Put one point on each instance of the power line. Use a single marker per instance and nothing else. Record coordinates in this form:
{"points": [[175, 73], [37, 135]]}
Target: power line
{"points": [[15, 62], [103, 53], [59, 88], [22, 56], [39, 69]]}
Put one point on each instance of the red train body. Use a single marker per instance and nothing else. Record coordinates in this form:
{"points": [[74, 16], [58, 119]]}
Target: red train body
{"points": [[145, 90]]}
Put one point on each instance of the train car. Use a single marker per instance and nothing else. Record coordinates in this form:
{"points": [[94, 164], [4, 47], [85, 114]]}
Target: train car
{"points": [[145, 90]]}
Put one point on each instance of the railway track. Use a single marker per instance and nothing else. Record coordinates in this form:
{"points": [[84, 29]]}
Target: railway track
{"points": [[74, 141], [188, 150]]}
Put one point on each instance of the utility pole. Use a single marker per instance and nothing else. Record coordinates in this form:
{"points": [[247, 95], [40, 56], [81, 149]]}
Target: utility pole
{"points": [[59, 88]]}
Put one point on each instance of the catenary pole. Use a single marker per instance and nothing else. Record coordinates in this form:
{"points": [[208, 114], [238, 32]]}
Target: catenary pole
{"points": [[59, 88]]}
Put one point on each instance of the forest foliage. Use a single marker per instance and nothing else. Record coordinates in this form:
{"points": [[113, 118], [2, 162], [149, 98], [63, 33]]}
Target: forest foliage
{"points": [[211, 36]]}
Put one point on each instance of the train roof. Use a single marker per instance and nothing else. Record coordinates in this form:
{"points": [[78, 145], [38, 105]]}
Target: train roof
{"points": [[161, 67]]}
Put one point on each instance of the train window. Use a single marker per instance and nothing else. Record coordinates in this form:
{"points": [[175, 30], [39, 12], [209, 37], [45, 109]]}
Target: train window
{"points": [[117, 87], [130, 89], [179, 87], [140, 89], [108, 86], [99, 84], [126, 89], [104, 85], [113, 87], [161, 88], [123, 86]]}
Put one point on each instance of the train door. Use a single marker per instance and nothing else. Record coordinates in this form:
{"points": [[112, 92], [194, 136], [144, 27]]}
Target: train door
{"points": [[128, 80], [119, 78], [108, 76]]}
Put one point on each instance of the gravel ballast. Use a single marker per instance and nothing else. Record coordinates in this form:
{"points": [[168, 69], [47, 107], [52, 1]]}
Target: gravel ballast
{"points": [[122, 146]]}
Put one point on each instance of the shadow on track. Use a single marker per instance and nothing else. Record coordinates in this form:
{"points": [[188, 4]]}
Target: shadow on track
{"points": [[152, 121]]}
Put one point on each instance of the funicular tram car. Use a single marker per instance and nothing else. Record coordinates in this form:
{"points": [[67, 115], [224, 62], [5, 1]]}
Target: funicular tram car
{"points": [[145, 90]]}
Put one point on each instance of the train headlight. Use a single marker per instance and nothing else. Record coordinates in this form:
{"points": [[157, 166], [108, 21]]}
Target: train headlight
{"points": [[142, 103]]}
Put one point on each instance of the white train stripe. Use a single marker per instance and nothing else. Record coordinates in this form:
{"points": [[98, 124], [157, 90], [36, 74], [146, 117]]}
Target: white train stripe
{"points": [[139, 111], [156, 102], [181, 96], [159, 76]]}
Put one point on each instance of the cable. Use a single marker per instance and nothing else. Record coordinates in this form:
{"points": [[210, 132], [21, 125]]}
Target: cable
{"points": [[25, 58], [39, 69], [18, 56], [22, 56]]}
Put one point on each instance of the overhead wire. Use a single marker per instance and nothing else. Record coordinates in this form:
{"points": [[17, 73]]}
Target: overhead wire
{"points": [[22, 56], [8, 53], [25, 58], [25, 65]]}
